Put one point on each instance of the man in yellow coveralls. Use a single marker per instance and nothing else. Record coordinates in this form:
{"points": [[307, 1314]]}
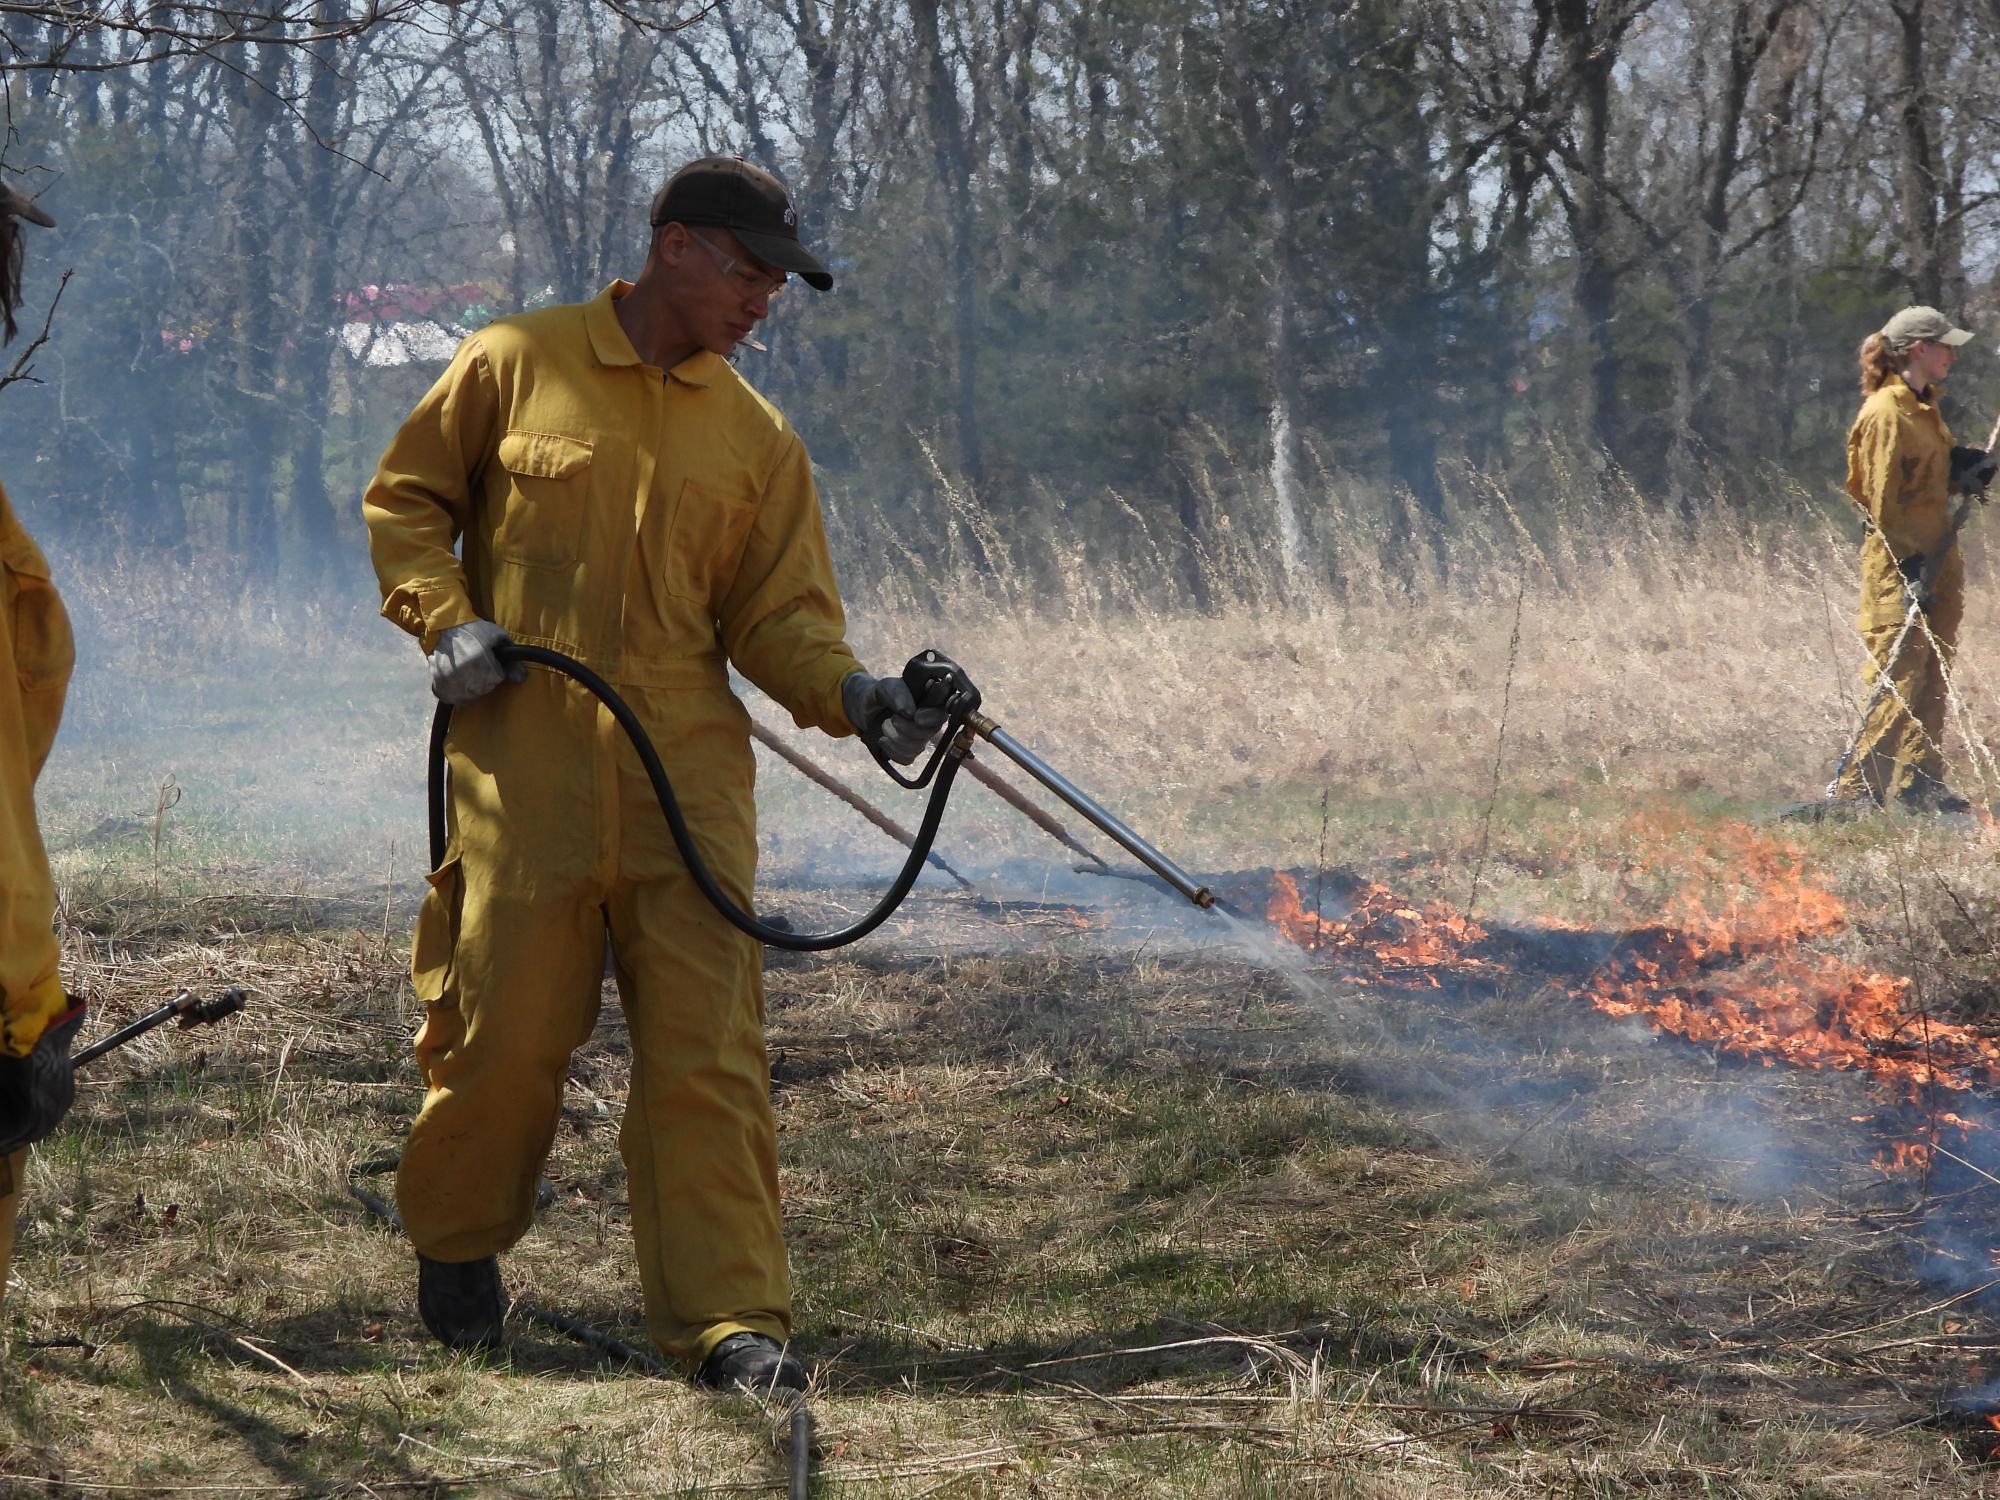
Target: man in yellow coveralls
{"points": [[625, 497], [37, 1019], [1902, 472]]}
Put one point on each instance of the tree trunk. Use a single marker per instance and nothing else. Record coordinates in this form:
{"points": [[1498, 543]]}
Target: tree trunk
{"points": [[312, 343], [254, 504], [1917, 177], [1408, 206], [1264, 115], [1177, 420], [1588, 59], [952, 154], [1286, 363], [821, 37]]}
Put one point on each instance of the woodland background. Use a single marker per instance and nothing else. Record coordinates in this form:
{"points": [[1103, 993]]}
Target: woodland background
{"points": [[1173, 278]]}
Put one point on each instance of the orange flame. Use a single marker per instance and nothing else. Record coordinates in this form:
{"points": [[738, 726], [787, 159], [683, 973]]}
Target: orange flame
{"points": [[1904, 1156], [1726, 965], [1381, 928]]}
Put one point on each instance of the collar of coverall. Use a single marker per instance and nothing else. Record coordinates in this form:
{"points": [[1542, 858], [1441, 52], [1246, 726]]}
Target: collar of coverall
{"points": [[609, 342], [1906, 395]]}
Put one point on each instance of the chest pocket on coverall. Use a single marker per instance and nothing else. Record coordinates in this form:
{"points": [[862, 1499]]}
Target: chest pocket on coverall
{"points": [[705, 541], [541, 516], [44, 650]]}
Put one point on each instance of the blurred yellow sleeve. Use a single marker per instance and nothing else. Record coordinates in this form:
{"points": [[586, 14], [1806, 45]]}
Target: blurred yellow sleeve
{"points": [[421, 497], [35, 633], [782, 623]]}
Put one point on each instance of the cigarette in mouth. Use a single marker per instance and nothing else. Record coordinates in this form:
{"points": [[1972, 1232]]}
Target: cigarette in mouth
{"points": [[760, 348]]}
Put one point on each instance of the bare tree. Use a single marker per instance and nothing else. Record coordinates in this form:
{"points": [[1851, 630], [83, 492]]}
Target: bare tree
{"points": [[103, 36], [1274, 100], [564, 104], [953, 153]]}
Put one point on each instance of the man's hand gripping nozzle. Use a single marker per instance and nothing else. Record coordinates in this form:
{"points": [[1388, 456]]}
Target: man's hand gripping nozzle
{"points": [[939, 684]]}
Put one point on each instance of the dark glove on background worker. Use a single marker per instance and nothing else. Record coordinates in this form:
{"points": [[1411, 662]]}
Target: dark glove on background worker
{"points": [[463, 666], [887, 718], [1972, 470], [1914, 587], [36, 1091]]}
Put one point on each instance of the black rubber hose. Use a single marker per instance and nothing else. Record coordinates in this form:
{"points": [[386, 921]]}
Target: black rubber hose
{"points": [[642, 745]]}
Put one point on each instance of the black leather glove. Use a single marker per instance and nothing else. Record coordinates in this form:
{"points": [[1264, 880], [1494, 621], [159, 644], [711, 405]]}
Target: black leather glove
{"points": [[1914, 587], [36, 1091], [1972, 470], [887, 718]]}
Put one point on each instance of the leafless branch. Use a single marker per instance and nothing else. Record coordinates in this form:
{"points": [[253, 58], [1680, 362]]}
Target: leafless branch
{"points": [[23, 367], [152, 31]]}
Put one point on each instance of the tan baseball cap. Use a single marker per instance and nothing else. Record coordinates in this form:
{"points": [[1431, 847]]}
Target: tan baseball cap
{"points": [[1927, 323], [21, 207]]}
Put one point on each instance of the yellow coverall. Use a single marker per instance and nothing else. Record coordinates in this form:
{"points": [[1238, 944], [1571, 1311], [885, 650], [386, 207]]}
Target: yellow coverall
{"points": [[35, 631], [648, 523], [1898, 473]]}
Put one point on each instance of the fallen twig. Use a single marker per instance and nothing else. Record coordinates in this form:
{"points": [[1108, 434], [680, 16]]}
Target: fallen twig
{"points": [[1981, 1171], [930, 1338], [1278, 1351], [1855, 1333]]}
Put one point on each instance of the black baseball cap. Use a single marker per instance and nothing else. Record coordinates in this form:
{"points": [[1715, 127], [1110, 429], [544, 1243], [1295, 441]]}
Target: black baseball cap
{"points": [[750, 203], [18, 206]]}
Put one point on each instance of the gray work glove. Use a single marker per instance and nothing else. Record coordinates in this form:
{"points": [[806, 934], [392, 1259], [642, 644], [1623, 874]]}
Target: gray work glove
{"points": [[1972, 470], [463, 666], [887, 718], [36, 1091]]}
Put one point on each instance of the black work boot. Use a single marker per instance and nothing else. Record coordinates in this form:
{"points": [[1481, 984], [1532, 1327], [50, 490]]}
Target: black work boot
{"points": [[461, 1302], [751, 1362], [1928, 796]]}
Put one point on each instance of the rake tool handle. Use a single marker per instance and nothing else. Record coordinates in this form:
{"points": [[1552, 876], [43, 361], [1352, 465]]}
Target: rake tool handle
{"points": [[992, 780], [820, 777]]}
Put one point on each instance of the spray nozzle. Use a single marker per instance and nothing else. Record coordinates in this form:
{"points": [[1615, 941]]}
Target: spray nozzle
{"points": [[936, 681]]}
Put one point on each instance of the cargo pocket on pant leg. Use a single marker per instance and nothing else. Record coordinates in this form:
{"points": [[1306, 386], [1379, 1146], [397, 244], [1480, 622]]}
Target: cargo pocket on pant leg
{"points": [[434, 968]]}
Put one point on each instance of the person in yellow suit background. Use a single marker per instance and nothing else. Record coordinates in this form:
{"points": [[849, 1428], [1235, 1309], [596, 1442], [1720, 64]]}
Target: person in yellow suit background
{"points": [[38, 1021], [623, 496], [1902, 470]]}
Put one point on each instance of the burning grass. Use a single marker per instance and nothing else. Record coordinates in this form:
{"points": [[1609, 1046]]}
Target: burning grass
{"points": [[1728, 963], [1483, 1197], [1065, 1219]]}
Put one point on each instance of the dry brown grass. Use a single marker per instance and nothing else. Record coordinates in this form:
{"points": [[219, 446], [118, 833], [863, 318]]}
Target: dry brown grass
{"points": [[1073, 1212], [1067, 1224]]}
